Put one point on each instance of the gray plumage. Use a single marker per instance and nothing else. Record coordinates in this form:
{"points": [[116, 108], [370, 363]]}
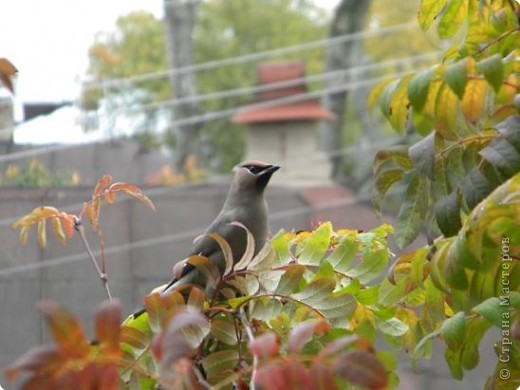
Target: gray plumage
{"points": [[245, 203]]}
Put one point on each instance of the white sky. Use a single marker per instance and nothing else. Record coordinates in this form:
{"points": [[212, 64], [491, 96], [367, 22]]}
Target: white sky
{"points": [[48, 41]]}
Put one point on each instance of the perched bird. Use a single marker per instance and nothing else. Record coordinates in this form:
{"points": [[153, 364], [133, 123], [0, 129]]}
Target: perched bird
{"points": [[246, 204]]}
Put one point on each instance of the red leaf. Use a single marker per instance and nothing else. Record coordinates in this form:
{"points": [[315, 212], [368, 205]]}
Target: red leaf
{"points": [[66, 330], [303, 332], [46, 358], [265, 346], [322, 376], [292, 374], [108, 327], [363, 369]]}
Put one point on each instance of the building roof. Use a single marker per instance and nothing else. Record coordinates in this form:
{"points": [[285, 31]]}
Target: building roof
{"points": [[288, 74]]}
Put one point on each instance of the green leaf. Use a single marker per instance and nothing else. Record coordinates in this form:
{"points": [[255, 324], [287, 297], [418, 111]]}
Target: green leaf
{"points": [[344, 254], [371, 267], [475, 188], [419, 87], [384, 182], [390, 294], [504, 157], [428, 12], [221, 364], [510, 128], [397, 154], [422, 154], [338, 309], [265, 309], [493, 70], [392, 326], [453, 330], [455, 14], [413, 212], [290, 279], [477, 328], [492, 310], [315, 292], [280, 244], [454, 359], [368, 296], [224, 330], [315, 246], [447, 214], [456, 76]]}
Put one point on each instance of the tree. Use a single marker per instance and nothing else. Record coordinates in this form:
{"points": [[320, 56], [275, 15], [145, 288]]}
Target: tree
{"points": [[350, 17], [223, 30], [180, 22], [462, 178]]}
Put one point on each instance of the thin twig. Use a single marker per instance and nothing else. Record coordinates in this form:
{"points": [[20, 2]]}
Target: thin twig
{"points": [[201, 379], [103, 276], [251, 337]]}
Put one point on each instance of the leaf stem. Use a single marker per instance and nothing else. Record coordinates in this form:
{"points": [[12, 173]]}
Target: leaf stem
{"points": [[102, 275]]}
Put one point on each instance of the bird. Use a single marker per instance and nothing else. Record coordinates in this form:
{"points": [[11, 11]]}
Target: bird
{"points": [[246, 204]]}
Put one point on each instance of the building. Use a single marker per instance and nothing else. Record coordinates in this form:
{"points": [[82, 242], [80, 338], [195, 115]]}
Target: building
{"points": [[281, 125]]}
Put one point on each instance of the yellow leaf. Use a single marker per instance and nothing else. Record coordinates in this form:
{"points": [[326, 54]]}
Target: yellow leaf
{"points": [[42, 236], [429, 106], [446, 113], [474, 100], [58, 229], [24, 232]]}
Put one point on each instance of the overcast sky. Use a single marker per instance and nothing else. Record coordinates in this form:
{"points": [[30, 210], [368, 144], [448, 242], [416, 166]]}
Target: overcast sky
{"points": [[48, 41]]}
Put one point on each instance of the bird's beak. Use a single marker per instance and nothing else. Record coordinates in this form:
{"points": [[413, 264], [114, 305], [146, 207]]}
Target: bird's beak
{"points": [[270, 169]]}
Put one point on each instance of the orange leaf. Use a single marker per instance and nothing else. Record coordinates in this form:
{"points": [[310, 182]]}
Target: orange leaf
{"points": [[92, 210], [7, 72], [66, 330], [133, 191], [108, 328], [196, 298], [102, 185], [110, 196], [68, 221]]}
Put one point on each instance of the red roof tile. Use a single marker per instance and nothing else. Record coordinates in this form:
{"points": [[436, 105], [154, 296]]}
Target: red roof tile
{"points": [[302, 111]]}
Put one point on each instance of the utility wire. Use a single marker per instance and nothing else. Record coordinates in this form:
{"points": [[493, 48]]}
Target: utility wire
{"points": [[110, 83], [226, 113], [284, 84]]}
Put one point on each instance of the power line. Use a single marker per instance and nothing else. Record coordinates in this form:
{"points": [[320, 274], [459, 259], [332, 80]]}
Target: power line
{"points": [[283, 84], [226, 113], [109, 83], [169, 238]]}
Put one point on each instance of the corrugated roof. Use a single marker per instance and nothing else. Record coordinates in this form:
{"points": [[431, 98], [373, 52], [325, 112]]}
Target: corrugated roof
{"points": [[300, 111]]}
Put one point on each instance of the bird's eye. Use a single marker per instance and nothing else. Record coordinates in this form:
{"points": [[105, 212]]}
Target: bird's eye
{"points": [[254, 169]]}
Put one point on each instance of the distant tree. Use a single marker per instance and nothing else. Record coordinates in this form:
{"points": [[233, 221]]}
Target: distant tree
{"points": [[223, 30]]}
